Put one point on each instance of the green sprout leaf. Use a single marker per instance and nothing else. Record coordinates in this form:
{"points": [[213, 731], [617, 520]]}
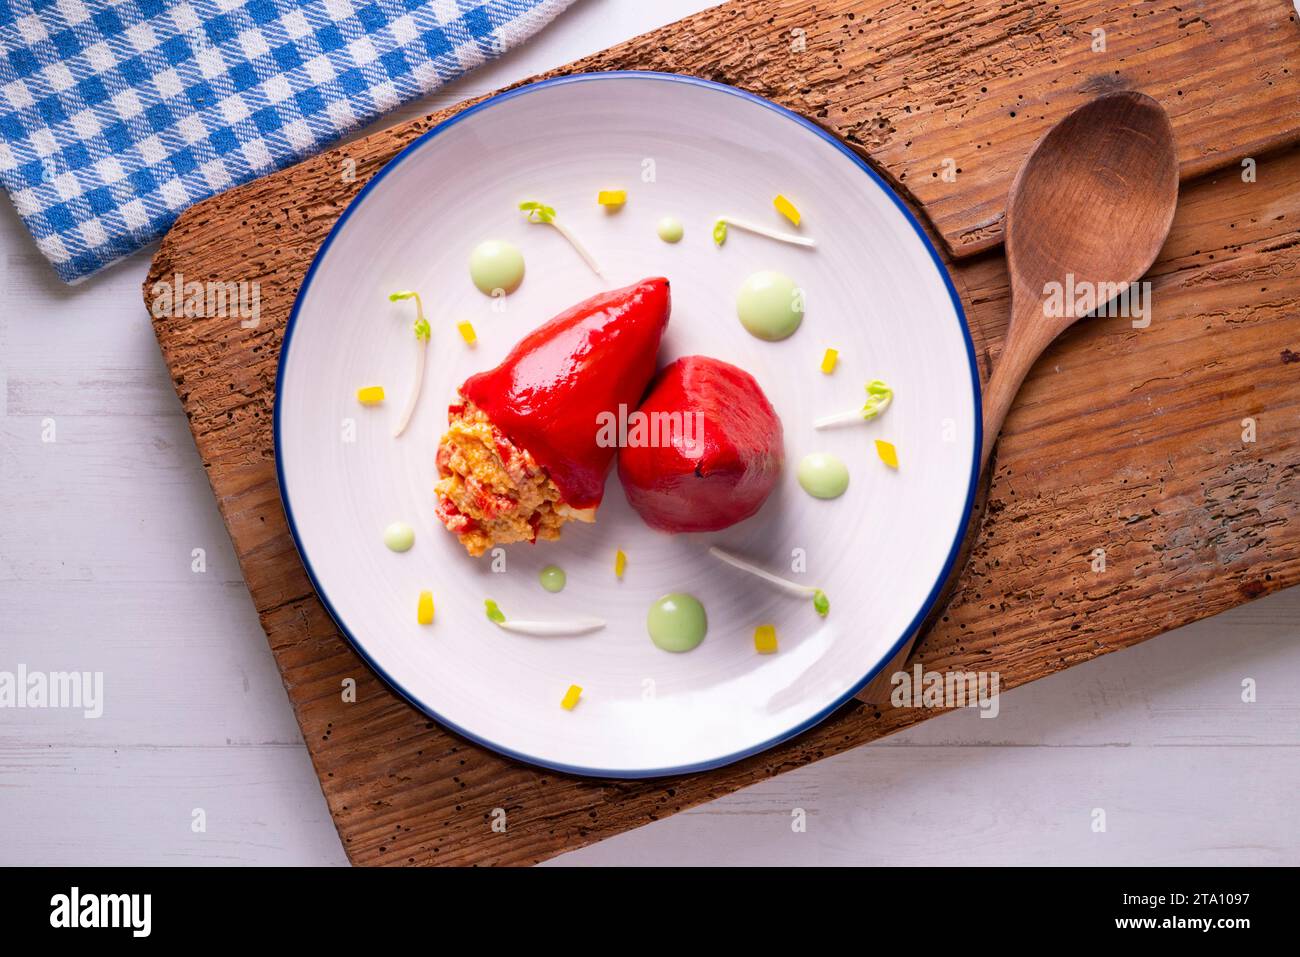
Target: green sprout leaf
{"points": [[493, 612], [538, 213], [720, 232], [821, 603], [879, 396], [421, 326], [422, 334]]}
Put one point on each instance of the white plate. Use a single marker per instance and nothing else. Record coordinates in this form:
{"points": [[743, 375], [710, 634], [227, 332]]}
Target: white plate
{"points": [[874, 290]]}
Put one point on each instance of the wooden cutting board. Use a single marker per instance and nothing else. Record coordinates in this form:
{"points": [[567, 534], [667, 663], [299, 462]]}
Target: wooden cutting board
{"points": [[1126, 499]]}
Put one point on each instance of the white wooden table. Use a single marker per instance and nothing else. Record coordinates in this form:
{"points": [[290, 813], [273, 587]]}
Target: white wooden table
{"points": [[97, 535]]}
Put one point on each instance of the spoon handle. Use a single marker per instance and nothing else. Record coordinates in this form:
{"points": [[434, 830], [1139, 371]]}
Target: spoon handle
{"points": [[1029, 334]]}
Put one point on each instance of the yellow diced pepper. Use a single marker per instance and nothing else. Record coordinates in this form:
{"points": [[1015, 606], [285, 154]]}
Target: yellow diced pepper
{"points": [[424, 608], [786, 209], [829, 361], [620, 564], [371, 395], [888, 454], [612, 197], [467, 332], [571, 697], [765, 639]]}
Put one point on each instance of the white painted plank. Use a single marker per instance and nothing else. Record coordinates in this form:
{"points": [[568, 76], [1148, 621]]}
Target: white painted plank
{"points": [[113, 498], [988, 806], [134, 806], [182, 664]]}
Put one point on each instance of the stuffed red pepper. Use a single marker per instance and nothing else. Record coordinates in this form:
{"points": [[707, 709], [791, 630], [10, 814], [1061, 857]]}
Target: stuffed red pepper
{"points": [[521, 455]]}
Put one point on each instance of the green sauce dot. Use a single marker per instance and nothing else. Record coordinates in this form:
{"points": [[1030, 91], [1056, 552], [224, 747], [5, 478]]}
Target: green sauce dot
{"points": [[822, 475], [399, 537], [670, 229], [495, 264], [552, 578], [770, 305], [677, 622]]}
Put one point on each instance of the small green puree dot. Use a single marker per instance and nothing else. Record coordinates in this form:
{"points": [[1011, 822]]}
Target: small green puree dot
{"points": [[552, 578], [399, 537], [677, 622], [770, 305], [495, 264], [822, 475], [670, 229]]}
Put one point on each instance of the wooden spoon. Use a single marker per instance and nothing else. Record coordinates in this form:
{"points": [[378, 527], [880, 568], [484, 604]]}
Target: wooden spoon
{"points": [[1092, 204]]}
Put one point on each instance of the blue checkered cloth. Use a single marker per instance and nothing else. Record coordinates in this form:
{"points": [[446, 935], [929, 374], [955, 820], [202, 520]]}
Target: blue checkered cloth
{"points": [[115, 115]]}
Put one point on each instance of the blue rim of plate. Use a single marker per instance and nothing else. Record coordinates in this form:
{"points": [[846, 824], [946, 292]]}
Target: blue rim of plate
{"points": [[953, 550]]}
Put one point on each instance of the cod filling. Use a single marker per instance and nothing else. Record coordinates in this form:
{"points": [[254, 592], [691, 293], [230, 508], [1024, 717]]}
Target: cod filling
{"points": [[491, 492]]}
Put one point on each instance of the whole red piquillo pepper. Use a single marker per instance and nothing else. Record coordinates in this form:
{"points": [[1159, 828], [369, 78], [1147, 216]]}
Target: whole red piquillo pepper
{"points": [[548, 393], [724, 458]]}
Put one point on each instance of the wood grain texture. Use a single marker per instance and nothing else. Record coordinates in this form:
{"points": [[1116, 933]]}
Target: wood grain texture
{"points": [[1124, 439]]}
